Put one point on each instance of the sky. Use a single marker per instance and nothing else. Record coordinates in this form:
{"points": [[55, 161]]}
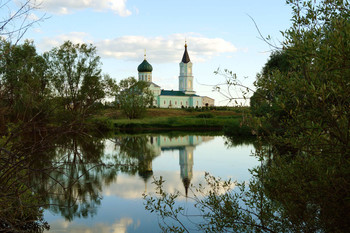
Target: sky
{"points": [[219, 34]]}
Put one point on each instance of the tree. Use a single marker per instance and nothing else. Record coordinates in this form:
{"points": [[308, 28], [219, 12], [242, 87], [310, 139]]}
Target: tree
{"points": [[134, 97], [303, 183], [24, 82], [76, 76], [261, 100]]}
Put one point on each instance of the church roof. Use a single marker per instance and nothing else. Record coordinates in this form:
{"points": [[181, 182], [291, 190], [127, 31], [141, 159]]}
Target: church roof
{"points": [[145, 67], [149, 84], [185, 57], [175, 93]]}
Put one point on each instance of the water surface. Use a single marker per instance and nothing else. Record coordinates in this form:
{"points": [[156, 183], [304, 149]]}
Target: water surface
{"points": [[108, 197]]}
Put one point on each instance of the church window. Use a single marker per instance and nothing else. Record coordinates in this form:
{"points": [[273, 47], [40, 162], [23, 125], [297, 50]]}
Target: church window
{"points": [[169, 102], [181, 103], [186, 103], [175, 102], [197, 103], [164, 101]]}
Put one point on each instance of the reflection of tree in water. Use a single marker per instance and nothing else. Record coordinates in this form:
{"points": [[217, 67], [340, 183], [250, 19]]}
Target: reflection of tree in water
{"points": [[233, 141], [78, 170], [73, 184], [20, 207], [136, 150]]}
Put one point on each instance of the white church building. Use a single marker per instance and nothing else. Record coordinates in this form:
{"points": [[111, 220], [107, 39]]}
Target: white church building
{"points": [[184, 97]]}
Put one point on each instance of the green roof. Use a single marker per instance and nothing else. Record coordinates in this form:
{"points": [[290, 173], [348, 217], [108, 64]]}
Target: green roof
{"points": [[175, 93], [145, 67]]}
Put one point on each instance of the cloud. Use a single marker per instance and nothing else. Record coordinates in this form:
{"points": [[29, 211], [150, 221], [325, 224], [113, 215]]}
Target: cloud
{"points": [[164, 49], [116, 227], [68, 6], [159, 49], [33, 17], [47, 43]]}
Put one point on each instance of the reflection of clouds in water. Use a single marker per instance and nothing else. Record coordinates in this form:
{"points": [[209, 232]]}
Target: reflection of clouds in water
{"points": [[130, 187], [116, 227]]}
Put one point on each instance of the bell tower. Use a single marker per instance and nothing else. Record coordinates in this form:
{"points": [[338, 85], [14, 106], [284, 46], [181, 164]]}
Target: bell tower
{"points": [[186, 78]]}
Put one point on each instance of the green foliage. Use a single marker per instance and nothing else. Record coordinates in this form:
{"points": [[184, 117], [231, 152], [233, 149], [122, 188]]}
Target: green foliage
{"points": [[309, 105], [24, 83], [205, 115], [175, 123], [64, 85], [312, 191], [101, 124], [76, 76], [238, 129], [261, 102], [134, 97]]}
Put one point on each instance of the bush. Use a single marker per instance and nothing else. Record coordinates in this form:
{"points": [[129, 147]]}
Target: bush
{"points": [[102, 124], [190, 109], [205, 115], [238, 130]]}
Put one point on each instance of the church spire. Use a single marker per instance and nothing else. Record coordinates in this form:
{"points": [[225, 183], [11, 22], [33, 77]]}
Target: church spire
{"points": [[185, 57]]}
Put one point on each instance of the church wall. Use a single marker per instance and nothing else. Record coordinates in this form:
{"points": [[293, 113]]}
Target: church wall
{"points": [[207, 101], [145, 76], [173, 101], [178, 101]]}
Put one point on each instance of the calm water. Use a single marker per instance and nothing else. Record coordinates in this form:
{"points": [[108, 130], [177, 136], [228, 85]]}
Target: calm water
{"points": [[108, 195]]}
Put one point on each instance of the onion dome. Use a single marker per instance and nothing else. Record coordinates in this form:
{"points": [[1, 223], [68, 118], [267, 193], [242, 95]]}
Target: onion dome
{"points": [[145, 67]]}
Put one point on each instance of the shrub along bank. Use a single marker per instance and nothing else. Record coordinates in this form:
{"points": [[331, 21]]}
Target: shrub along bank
{"points": [[227, 121]]}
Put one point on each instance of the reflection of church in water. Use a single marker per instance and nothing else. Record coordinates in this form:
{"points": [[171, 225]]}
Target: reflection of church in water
{"points": [[185, 145]]}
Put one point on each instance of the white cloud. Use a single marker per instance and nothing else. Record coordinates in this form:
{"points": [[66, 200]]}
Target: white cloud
{"points": [[158, 49], [47, 44], [164, 49], [68, 6], [33, 17], [116, 227]]}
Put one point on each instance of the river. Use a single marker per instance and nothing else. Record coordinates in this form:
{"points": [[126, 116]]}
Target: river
{"points": [[107, 177]]}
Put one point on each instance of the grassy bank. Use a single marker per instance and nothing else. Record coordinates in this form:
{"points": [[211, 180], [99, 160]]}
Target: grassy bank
{"points": [[226, 120]]}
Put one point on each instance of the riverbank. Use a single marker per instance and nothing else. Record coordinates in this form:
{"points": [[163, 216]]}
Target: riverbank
{"points": [[226, 120]]}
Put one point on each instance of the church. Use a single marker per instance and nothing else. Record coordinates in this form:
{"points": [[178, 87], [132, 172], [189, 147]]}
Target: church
{"points": [[184, 97]]}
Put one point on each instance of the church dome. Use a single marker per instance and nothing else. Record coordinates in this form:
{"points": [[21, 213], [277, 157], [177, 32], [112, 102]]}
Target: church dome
{"points": [[145, 67]]}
